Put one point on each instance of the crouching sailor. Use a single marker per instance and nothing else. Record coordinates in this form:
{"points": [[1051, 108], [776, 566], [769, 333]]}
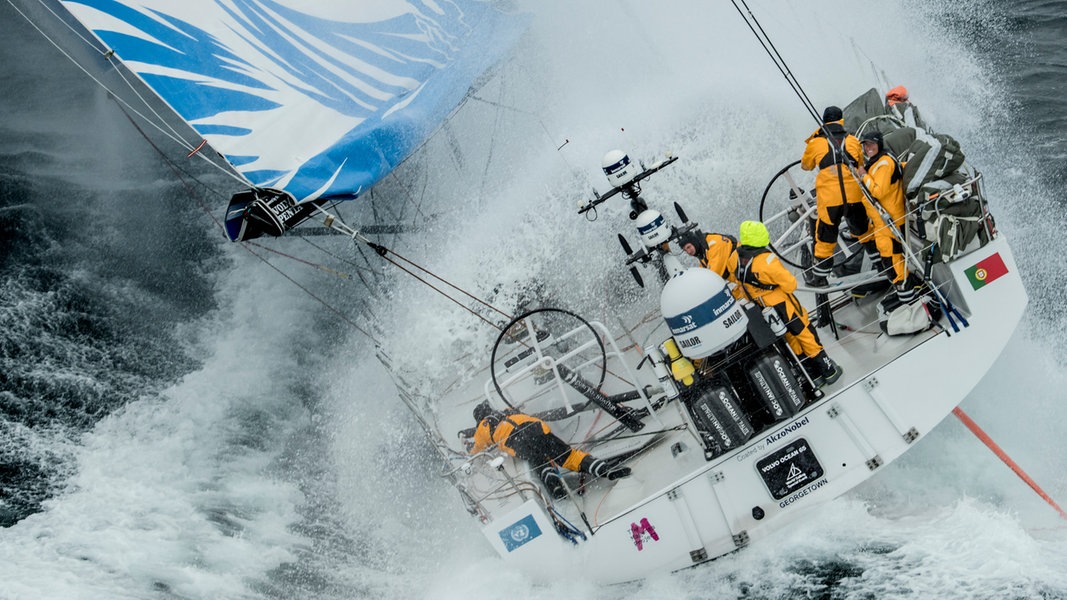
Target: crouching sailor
{"points": [[767, 282], [715, 251], [530, 439]]}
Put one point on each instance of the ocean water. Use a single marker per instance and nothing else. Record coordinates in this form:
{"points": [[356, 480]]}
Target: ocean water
{"points": [[181, 417]]}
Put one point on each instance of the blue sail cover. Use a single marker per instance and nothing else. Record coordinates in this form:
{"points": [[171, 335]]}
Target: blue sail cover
{"points": [[319, 98]]}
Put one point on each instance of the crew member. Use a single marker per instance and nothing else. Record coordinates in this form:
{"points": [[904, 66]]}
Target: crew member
{"points": [[883, 178], [898, 104], [767, 282], [715, 251], [530, 439], [832, 150]]}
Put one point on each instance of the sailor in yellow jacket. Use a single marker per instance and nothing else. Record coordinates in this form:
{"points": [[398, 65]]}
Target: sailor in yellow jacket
{"points": [[767, 282], [715, 251], [531, 439], [837, 193], [883, 177]]}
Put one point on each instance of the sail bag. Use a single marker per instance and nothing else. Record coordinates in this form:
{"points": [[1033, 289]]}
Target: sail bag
{"points": [[931, 156], [907, 319], [954, 216]]}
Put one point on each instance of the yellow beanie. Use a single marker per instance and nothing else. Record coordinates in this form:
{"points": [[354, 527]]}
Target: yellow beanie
{"points": [[754, 233]]}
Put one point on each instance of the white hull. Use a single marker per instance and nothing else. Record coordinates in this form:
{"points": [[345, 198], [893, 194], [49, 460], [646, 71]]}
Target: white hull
{"points": [[678, 509]]}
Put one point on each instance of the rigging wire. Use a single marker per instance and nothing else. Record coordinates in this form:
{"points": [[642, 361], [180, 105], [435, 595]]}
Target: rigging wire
{"points": [[344, 318], [178, 171], [109, 55], [947, 306], [159, 123], [384, 252], [776, 57], [772, 51], [381, 250], [319, 266]]}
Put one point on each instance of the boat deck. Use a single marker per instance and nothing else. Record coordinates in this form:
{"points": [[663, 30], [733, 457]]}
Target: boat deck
{"points": [[687, 500], [667, 452]]}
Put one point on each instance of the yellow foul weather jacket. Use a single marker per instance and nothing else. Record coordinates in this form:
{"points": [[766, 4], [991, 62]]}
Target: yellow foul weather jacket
{"points": [[769, 283], [537, 441], [884, 180], [483, 437], [818, 153], [837, 193]]}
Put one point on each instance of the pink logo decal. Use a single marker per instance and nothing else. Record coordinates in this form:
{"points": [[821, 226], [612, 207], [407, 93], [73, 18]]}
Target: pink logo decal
{"points": [[638, 532]]}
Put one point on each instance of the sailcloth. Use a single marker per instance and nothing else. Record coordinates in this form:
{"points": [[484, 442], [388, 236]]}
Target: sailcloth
{"points": [[320, 99]]}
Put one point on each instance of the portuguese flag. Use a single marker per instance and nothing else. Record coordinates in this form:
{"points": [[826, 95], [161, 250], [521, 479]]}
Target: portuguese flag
{"points": [[986, 271]]}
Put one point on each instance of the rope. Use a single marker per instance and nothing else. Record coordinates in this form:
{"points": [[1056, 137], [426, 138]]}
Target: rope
{"points": [[313, 296], [439, 290], [319, 266], [359, 268], [597, 442], [384, 252], [76, 32], [179, 172], [776, 57], [381, 250], [109, 55], [950, 311]]}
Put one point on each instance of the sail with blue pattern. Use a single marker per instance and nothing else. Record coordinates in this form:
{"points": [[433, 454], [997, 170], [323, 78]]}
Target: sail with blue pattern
{"points": [[320, 99]]}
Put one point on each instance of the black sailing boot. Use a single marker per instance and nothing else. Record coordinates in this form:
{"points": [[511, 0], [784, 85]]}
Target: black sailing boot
{"points": [[550, 477], [906, 294], [600, 468], [816, 276], [831, 371], [594, 466], [908, 291], [873, 255], [814, 369]]}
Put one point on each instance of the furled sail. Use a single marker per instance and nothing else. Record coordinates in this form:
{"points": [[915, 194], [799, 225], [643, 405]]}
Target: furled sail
{"points": [[308, 101]]}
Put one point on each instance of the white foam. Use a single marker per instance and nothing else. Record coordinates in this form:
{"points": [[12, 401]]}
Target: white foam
{"points": [[193, 493]]}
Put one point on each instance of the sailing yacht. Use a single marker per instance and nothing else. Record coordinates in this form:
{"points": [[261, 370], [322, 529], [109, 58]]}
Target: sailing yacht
{"points": [[727, 435]]}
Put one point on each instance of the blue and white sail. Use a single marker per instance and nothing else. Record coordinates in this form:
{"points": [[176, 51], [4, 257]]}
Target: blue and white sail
{"points": [[317, 99]]}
